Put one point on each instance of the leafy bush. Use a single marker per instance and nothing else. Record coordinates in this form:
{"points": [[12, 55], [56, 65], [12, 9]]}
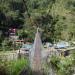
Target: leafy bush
{"points": [[62, 65]]}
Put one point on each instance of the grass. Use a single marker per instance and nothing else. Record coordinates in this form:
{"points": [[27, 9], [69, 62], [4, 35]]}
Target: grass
{"points": [[13, 67]]}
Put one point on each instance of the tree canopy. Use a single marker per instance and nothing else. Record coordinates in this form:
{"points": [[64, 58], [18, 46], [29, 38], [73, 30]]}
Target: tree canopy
{"points": [[56, 18]]}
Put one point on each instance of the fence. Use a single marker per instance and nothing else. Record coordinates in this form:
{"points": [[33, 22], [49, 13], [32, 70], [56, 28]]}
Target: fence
{"points": [[8, 56]]}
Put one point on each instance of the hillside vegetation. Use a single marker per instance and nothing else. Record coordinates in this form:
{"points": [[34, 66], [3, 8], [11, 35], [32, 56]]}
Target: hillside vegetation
{"points": [[55, 18]]}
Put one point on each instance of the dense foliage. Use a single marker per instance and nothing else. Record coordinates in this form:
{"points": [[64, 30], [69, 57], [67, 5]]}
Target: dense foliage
{"points": [[55, 18], [62, 65]]}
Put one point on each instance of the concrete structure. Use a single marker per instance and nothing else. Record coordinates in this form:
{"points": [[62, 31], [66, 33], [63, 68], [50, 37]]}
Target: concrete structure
{"points": [[36, 53]]}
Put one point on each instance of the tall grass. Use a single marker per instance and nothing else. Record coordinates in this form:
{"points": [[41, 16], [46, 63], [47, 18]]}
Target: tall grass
{"points": [[13, 67]]}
